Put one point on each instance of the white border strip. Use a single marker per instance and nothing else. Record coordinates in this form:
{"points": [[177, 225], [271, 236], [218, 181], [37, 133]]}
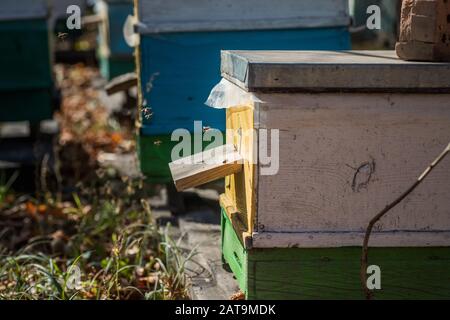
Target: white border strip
{"points": [[350, 239]]}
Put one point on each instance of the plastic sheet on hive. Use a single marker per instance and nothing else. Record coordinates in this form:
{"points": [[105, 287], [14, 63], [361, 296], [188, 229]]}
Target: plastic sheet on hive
{"points": [[226, 95]]}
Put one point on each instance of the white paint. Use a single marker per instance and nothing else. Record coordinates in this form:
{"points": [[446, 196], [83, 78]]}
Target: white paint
{"points": [[324, 140], [349, 239], [131, 38]]}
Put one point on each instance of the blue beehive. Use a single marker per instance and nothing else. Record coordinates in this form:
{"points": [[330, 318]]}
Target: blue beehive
{"points": [[115, 56], [179, 55]]}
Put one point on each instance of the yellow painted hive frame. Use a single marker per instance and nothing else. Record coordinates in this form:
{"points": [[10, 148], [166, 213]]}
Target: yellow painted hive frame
{"points": [[239, 199]]}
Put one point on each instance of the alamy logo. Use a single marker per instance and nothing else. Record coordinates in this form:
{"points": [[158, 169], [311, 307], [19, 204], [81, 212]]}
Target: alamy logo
{"points": [[374, 277], [374, 20], [74, 19], [73, 280], [252, 145]]}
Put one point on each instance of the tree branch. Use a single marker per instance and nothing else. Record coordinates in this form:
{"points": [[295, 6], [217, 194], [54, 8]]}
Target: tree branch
{"points": [[374, 220]]}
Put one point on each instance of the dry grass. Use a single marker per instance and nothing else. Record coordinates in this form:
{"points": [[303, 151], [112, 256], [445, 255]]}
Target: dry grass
{"points": [[92, 234]]}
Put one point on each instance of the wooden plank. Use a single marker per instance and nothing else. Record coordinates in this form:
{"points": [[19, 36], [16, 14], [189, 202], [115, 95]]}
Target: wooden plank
{"points": [[319, 71], [241, 188], [121, 83], [205, 167]]}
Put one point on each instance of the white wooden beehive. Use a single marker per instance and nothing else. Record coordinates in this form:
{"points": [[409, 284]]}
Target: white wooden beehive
{"points": [[356, 129]]}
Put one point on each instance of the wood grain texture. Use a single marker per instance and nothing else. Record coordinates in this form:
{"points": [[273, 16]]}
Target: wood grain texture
{"points": [[214, 15], [241, 188], [343, 157], [205, 167]]}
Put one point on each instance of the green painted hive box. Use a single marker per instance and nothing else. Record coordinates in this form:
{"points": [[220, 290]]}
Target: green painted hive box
{"points": [[26, 84], [328, 140]]}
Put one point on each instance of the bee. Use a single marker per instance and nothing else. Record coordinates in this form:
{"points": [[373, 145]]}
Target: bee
{"points": [[147, 112], [149, 85], [62, 35]]}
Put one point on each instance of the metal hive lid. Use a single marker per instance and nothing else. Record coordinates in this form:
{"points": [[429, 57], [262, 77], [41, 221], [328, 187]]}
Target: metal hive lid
{"points": [[227, 15], [363, 71]]}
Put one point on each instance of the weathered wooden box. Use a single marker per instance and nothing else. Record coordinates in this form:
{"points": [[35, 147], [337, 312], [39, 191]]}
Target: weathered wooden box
{"points": [[115, 55], [355, 130], [26, 84], [179, 51]]}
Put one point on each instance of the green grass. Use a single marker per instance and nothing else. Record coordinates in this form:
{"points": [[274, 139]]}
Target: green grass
{"points": [[5, 187], [106, 232]]}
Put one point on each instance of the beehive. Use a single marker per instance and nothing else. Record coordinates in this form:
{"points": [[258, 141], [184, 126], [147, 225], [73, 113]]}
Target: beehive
{"points": [[179, 51], [115, 55], [355, 130], [26, 85]]}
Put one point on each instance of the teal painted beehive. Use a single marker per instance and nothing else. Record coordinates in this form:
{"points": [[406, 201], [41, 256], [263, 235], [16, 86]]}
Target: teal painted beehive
{"points": [[328, 139], [116, 57], [179, 51], [26, 84]]}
